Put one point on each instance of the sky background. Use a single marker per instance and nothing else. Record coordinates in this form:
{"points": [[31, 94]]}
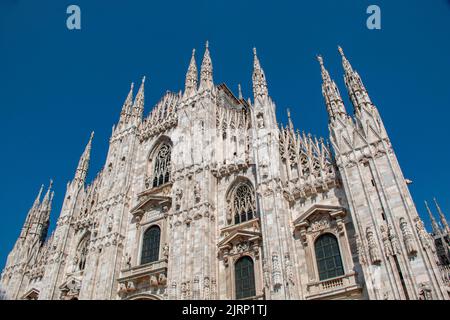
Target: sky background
{"points": [[57, 85]]}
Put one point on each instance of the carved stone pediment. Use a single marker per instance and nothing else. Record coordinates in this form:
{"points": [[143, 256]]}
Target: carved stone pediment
{"points": [[239, 240], [70, 289], [311, 216], [31, 294], [238, 243], [148, 202]]}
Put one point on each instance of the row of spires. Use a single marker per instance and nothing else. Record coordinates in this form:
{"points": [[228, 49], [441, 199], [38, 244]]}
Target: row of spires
{"points": [[133, 109], [206, 76], [438, 230]]}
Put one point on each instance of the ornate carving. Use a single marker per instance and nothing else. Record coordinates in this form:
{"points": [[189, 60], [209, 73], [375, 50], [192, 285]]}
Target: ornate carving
{"points": [[320, 224], [394, 240], [166, 250], [197, 192], [360, 250], [423, 235], [289, 271], [386, 242], [373, 248], [425, 292], [206, 288], [266, 272], [178, 197], [407, 237], [173, 290], [276, 271], [186, 290]]}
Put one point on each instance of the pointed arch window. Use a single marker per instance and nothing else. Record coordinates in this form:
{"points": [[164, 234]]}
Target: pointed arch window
{"points": [[243, 203], [161, 168], [150, 245], [328, 257], [244, 278], [82, 252]]}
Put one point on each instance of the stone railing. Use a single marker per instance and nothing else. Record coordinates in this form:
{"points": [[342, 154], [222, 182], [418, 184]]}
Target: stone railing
{"points": [[149, 275], [330, 287]]}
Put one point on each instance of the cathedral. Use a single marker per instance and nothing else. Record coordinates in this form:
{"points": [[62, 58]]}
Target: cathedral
{"points": [[209, 197]]}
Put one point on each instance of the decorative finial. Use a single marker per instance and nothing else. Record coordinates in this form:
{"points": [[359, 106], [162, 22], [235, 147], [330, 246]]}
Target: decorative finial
{"points": [[132, 86], [92, 135], [341, 51], [207, 44], [240, 91], [143, 79], [51, 184], [193, 52], [320, 59], [254, 51]]}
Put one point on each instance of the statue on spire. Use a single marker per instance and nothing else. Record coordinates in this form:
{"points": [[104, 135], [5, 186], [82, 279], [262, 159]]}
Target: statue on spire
{"points": [[330, 92], [434, 225], [190, 86], [206, 71], [259, 79], [83, 164], [126, 107], [442, 217], [138, 105], [355, 87]]}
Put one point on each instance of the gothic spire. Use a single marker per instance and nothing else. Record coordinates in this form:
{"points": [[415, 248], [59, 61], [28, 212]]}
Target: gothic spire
{"points": [[259, 79], [239, 92], [38, 198], [291, 126], [434, 225], [83, 164], [138, 106], [355, 87], [190, 86], [330, 92], [442, 216], [31, 212], [206, 71], [48, 195], [126, 108]]}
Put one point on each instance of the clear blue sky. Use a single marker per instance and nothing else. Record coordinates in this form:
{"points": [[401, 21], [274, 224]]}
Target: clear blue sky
{"points": [[56, 85]]}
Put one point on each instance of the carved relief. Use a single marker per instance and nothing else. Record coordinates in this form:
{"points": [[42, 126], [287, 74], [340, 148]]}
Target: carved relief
{"points": [[407, 237], [289, 271], [394, 240], [320, 224], [373, 248], [386, 242], [425, 291], [424, 237], [360, 250], [197, 192], [266, 274], [206, 288], [276, 271]]}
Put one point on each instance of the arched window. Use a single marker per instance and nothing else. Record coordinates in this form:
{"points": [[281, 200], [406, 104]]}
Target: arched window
{"points": [[161, 168], [243, 203], [328, 257], [244, 278], [150, 245], [82, 252]]}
